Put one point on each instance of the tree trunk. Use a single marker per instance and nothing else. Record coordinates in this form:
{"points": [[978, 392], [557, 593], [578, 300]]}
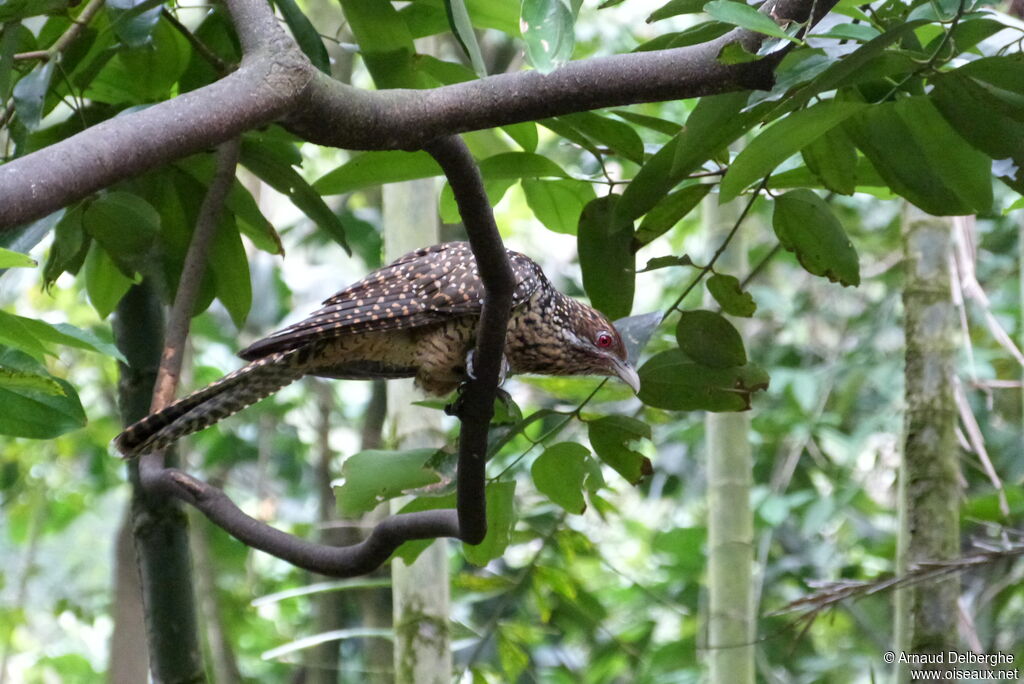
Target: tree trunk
{"points": [[420, 591], [730, 641], [159, 523], [926, 615]]}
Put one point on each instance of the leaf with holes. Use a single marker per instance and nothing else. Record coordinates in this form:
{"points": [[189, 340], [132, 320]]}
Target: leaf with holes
{"points": [[559, 473], [610, 437], [730, 296], [374, 476]]}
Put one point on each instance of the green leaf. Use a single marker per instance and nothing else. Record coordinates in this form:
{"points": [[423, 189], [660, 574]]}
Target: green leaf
{"points": [[15, 379], [619, 137], [670, 380], [605, 243], [66, 334], [34, 413], [126, 225], [385, 42], [377, 168], [70, 245], [676, 7], [520, 165], [669, 211], [805, 225], [374, 476], [104, 282], [9, 34], [710, 340], [548, 29], [743, 15], [833, 159], [714, 123], [782, 140], [134, 20], [14, 10], [524, 133], [990, 118], [30, 94], [14, 333], [306, 35], [922, 158], [666, 262], [266, 160], [662, 126], [230, 268], [9, 259], [610, 437], [559, 473], [558, 203], [462, 28], [733, 300], [500, 519]]}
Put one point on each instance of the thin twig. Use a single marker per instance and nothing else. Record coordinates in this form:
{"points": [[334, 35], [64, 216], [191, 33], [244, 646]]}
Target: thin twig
{"points": [[199, 46], [192, 274], [707, 268]]}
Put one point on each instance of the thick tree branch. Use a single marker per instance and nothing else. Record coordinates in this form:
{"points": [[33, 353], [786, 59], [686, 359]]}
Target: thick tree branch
{"points": [[476, 404], [277, 83]]}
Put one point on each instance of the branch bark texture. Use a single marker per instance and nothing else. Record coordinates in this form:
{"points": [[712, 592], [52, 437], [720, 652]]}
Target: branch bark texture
{"points": [[276, 82]]}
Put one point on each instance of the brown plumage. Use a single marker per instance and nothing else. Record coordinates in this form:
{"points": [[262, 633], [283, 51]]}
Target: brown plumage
{"points": [[417, 318]]}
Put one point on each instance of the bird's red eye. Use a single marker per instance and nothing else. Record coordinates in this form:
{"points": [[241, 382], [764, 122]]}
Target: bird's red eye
{"points": [[604, 339]]}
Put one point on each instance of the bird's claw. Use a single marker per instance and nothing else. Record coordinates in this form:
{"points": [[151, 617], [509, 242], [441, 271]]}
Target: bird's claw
{"points": [[503, 370], [455, 407]]}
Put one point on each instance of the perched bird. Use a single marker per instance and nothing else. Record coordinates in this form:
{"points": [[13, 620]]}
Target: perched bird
{"points": [[416, 317]]}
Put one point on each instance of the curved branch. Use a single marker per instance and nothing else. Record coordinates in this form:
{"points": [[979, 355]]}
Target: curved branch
{"points": [[476, 404], [468, 522], [277, 83], [336, 561]]}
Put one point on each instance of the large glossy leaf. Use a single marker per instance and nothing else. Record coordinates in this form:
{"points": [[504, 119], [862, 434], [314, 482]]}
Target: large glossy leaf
{"points": [[33, 412], [230, 268], [104, 283], [148, 73], [559, 473], [500, 519], [606, 257], [617, 136], [549, 31], [674, 8], [743, 15], [520, 165], [670, 380], [30, 95], [125, 224], [377, 168], [371, 477], [462, 28], [9, 259], [269, 162], [922, 158], [664, 215], [558, 203], [782, 140], [611, 435], [385, 42], [806, 226], [833, 159], [305, 33], [714, 123], [134, 20], [13, 10], [710, 340]]}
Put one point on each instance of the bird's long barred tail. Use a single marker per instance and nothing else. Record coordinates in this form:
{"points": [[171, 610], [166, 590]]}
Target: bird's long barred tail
{"points": [[213, 403]]}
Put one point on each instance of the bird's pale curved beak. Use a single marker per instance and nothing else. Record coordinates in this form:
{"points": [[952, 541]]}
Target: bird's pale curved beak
{"points": [[625, 372]]}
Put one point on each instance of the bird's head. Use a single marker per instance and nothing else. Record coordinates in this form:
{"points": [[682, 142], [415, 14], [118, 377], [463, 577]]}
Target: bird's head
{"points": [[597, 348]]}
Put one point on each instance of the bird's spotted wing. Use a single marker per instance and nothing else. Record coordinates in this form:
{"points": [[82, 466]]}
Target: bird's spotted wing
{"points": [[426, 286]]}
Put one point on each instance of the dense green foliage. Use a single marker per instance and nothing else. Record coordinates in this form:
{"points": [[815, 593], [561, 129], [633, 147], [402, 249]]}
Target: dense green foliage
{"points": [[593, 567]]}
